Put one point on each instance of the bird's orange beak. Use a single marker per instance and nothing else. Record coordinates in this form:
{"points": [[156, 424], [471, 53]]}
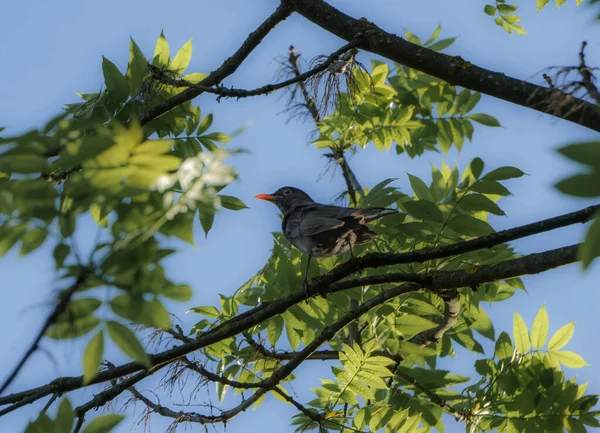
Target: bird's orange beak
{"points": [[267, 197]]}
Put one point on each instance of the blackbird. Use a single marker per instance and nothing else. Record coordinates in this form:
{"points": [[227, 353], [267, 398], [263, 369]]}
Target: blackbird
{"points": [[321, 230]]}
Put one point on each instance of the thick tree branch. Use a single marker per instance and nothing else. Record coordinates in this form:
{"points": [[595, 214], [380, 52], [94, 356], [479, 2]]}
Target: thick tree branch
{"points": [[454, 70], [328, 283], [443, 281], [227, 68]]}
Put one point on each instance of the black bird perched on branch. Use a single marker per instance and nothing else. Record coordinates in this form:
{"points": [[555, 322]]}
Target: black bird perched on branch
{"points": [[321, 230]]}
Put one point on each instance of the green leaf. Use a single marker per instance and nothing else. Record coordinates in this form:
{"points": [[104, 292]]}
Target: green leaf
{"points": [[32, 240], [484, 324], [420, 188], [541, 3], [206, 220], [484, 119], [116, 84], [473, 101], [92, 356], [503, 348], [424, 210], [469, 225], [490, 187], [561, 337], [503, 173], [78, 309], [182, 58], [217, 136], [161, 52], [232, 203], [478, 202], [590, 249], [539, 330], [177, 292], [205, 124], [207, 311], [64, 417], [409, 324], [181, 226], [581, 185], [23, 163], [442, 44], [585, 153], [159, 314], [477, 167], [128, 342], [79, 151], [506, 8], [521, 334], [73, 329], [61, 251], [434, 35], [491, 10], [103, 424], [274, 329], [569, 359], [136, 68]]}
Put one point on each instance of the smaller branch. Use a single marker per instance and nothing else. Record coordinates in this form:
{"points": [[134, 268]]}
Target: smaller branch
{"points": [[199, 368], [312, 414], [320, 355], [52, 400], [80, 421], [195, 417], [228, 67], [310, 103], [64, 299], [452, 311], [587, 76], [108, 395], [434, 398], [264, 90]]}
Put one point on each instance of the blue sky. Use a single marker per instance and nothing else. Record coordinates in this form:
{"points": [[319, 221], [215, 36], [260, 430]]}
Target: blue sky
{"points": [[51, 50]]}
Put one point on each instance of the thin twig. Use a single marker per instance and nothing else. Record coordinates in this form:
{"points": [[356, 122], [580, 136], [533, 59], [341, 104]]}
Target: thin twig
{"points": [[264, 90], [61, 306]]}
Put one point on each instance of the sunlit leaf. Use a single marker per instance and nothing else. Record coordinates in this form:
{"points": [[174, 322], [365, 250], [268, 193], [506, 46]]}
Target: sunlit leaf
{"points": [[128, 342], [92, 356]]}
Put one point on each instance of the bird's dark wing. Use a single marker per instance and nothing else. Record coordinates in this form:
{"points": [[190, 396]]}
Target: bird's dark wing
{"points": [[315, 218]]}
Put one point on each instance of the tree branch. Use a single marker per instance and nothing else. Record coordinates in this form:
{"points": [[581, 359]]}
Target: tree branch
{"points": [[454, 70], [199, 368], [228, 67], [61, 306], [443, 281], [447, 322], [439, 281], [264, 90]]}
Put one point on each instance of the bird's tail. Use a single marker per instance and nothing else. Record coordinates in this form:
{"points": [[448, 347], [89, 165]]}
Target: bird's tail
{"points": [[374, 213]]}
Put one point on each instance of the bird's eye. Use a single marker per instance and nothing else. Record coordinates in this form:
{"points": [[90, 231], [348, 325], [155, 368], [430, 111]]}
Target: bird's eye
{"points": [[287, 191]]}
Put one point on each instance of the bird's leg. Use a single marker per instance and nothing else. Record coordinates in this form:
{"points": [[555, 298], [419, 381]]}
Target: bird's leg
{"points": [[305, 280]]}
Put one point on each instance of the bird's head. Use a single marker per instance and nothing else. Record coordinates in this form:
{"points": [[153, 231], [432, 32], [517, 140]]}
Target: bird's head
{"points": [[286, 197]]}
